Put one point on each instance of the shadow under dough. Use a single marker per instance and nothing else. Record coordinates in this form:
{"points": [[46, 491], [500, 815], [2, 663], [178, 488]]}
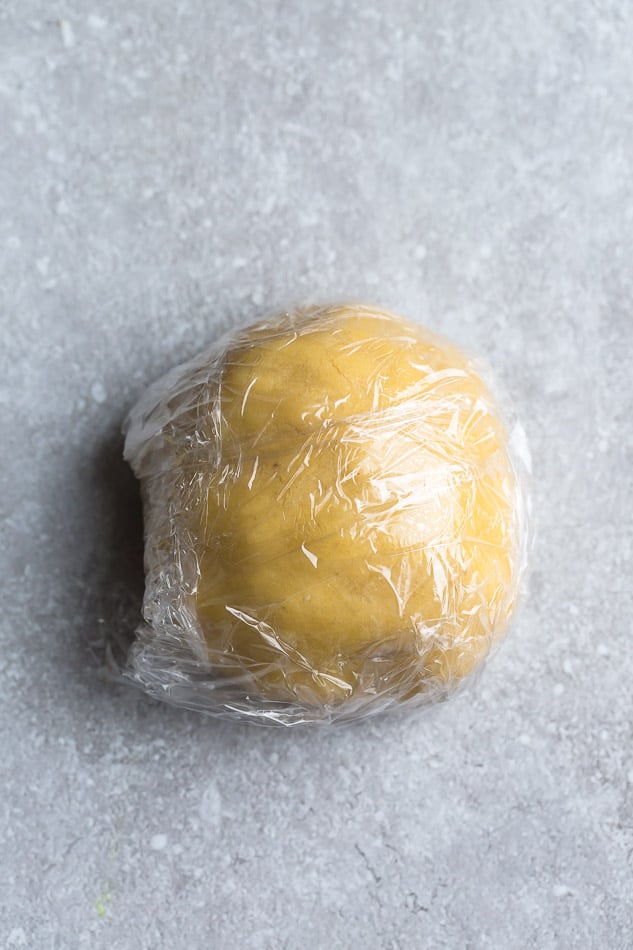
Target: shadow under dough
{"points": [[120, 576]]}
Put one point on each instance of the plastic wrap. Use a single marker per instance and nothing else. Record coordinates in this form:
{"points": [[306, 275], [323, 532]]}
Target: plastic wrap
{"points": [[335, 520]]}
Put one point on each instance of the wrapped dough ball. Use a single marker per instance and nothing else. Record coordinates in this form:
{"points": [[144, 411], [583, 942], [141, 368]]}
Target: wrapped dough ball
{"points": [[334, 520]]}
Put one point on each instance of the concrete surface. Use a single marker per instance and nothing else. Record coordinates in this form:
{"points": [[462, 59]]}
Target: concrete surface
{"points": [[168, 168]]}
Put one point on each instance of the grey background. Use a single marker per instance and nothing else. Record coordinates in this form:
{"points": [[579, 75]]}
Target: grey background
{"points": [[170, 168]]}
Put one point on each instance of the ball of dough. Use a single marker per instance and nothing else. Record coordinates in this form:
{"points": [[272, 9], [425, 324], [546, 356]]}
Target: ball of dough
{"points": [[357, 537]]}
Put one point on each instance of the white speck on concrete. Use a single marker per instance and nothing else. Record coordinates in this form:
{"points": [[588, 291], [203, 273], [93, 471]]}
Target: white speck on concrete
{"points": [[98, 392], [561, 890], [68, 33], [158, 842], [211, 807], [16, 938], [96, 22]]}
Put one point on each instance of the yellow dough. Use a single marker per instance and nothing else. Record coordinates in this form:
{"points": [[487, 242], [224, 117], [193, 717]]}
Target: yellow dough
{"points": [[356, 536]]}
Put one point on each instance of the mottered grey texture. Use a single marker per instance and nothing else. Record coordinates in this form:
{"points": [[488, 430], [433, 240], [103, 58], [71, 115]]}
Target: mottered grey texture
{"points": [[169, 169]]}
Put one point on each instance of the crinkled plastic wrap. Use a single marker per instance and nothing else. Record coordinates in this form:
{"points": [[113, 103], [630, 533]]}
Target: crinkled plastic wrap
{"points": [[334, 518]]}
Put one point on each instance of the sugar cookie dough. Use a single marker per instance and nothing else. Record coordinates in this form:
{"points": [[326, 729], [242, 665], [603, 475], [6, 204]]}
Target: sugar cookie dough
{"points": [[334, 520]]}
